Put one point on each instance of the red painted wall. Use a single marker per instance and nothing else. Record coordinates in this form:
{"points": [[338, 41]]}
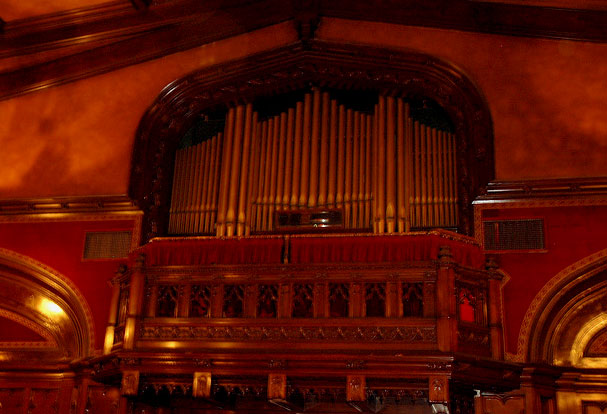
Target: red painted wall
{"points": [[571, 233], [60, 245]]}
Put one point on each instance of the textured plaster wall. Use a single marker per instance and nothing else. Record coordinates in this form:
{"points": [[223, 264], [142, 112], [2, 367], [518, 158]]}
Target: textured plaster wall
{"points": [[77, 139], [548, 98]]}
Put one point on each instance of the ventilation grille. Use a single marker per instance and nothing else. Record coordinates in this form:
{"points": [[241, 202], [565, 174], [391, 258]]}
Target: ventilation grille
{"points": [[514, 234], [107, 245]]}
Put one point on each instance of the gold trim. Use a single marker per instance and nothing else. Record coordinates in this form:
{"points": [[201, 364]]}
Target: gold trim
{"points": [[40, 272], [446, 234], [582, 339], [49, 343], [534, 311], [69, 205]]}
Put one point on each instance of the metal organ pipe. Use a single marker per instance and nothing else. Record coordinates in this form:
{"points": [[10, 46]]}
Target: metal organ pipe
{"points": [[384, 170]]}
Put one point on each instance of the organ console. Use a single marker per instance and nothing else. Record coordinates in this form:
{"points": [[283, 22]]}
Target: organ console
{"points": [[385, 171]]}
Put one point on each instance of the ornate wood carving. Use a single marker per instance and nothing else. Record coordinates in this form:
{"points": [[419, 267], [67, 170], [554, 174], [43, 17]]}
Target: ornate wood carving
{"points": [[438, 387], [277, 386], [130, 383], [355, 388], [512, 403], [331, 65], [202, 385], [292, 333]]}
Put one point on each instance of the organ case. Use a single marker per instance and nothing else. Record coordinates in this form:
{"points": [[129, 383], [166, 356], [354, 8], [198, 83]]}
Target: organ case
{"points": [[385, 171]]}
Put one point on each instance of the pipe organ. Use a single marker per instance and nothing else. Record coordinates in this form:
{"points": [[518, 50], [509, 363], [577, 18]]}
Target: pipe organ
{"points": [[382, 169]]}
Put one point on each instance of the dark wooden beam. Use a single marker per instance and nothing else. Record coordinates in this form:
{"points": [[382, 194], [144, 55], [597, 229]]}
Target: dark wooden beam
{"points": [[111, 45], [475, 16], [67, 46]]}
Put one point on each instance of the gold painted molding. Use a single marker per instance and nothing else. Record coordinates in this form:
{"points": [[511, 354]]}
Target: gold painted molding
{"points": [[75, 204], [44, 275], [49, 343], [583, 337]]}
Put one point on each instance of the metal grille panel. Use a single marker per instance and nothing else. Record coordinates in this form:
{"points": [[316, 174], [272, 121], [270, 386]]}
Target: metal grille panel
{"points": [[107, 245], [514, 234]]}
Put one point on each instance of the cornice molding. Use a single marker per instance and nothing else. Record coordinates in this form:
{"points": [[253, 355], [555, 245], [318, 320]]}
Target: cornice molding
{"points": [[90, 41], [555, 188], [67, 205], [105, 39], [478, 16]]}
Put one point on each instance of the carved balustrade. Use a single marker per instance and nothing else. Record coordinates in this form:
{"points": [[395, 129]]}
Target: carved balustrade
{"points": [[344, 309]]}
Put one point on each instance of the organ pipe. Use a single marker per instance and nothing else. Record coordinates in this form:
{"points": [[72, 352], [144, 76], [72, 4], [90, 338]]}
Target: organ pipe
{"points": [[382, 169]]}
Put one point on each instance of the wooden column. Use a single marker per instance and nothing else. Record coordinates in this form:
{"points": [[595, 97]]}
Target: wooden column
{"points": [[446, 302], [113, 318], [135, 303], [495, 311]]}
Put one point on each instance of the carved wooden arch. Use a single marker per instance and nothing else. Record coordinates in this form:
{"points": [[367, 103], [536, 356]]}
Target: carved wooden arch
{"points": [[566, 307], [48, 303], [406, 73]]}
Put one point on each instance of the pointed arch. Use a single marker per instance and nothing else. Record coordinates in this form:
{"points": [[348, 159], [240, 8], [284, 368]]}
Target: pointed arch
{"points": [[45, 301]]}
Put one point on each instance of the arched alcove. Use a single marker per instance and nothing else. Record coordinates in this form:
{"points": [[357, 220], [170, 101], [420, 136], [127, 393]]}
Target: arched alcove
{"points": [[326, 65], [569, 314], [55, 317]]}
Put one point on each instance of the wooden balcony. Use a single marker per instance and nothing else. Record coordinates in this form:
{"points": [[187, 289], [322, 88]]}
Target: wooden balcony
{"points": [[356, 315]]}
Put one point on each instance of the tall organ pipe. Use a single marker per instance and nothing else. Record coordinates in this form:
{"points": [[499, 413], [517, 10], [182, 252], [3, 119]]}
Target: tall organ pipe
{"points": [[383, 170]]}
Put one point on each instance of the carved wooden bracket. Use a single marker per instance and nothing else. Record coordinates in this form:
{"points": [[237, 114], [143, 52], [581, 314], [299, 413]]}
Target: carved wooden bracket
{"points": [[130, 383], [202, 385]]}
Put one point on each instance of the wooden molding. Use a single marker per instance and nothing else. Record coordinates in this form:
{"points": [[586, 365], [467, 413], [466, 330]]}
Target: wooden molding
{"points": [[67, 205], [504, 191], [478, 16], [551, 193], [85, 42]]}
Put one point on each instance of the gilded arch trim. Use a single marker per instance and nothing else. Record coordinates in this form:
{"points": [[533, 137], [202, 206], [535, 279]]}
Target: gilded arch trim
{"points": [[15, 317], [38, 291]]}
